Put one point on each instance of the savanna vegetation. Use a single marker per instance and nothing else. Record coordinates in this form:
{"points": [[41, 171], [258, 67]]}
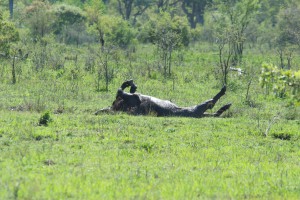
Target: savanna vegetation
{"points": [[60, 61]]}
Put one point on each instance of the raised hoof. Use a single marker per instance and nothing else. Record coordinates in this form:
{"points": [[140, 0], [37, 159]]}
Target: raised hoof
{"points": [[127, 84], [133, 89], [226, 107], [222, 109]]}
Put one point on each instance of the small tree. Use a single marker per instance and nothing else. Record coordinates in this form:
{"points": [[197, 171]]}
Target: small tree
{"points": [[68, 18], [109, 30], [228, 24], [169, 34], [104, 62], [40, 52], [97, 26], [235, 16], [16, 54], [8, 36], [288, 38], [226, 52], [39, 18]]}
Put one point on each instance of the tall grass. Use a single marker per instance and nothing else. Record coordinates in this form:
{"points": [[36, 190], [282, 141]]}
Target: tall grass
{"points": [[82, 156]]}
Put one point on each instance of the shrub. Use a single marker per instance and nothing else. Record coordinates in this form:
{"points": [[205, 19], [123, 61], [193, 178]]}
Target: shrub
{"points": [[282, 136], [45, 119], [39, 18], [69, 25], [283, 83], [112, 30], [158, 27], [8, 35]]}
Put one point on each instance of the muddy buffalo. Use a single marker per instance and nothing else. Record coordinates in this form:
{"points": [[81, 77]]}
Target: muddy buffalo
{"points": [[139, 104]]}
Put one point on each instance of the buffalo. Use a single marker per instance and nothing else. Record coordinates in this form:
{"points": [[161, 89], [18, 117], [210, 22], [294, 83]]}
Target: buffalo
{"points": [[139, 104]]}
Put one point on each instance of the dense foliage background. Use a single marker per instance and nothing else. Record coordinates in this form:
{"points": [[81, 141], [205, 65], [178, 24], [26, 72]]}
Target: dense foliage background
{"points": [[97, 35]]}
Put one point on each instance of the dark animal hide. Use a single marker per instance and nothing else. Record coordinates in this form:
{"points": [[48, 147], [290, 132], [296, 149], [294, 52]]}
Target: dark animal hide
{"points": [[139, 104]]}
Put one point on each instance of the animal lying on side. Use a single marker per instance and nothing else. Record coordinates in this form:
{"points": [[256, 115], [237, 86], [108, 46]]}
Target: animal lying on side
{"points": [[139, 104]]}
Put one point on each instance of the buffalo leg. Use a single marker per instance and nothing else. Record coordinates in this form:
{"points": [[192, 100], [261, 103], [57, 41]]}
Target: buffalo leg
{"points": [[209, 104], [219, 112], [222, 109], [104, 110], [201, 108], [128, 83], [217, 97]]}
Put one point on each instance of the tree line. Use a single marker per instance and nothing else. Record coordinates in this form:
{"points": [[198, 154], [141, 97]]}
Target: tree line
{"points": [[168, 24]]}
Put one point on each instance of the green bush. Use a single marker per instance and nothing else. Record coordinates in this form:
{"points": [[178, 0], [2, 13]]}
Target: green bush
{"points": [[69, 25], [8, 34], [283, 83], [163, 24], [121, 34], [39, 18], [45, 119]]}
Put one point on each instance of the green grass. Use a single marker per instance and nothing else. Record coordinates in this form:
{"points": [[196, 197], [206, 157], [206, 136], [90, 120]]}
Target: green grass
{"points": [[252, 152], [127, 157]]}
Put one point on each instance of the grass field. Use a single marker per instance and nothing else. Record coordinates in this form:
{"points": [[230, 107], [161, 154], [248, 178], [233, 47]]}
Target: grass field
{"points": [[252, 152]]}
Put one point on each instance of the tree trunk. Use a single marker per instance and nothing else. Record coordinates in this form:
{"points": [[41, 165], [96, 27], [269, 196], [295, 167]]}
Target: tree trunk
{"points": [[128, 8], [194, 11], [11, 8], [125, 8], [13, 71], [106, 73], [280, 52], [170, 61], [200, 19], [289, 61]]}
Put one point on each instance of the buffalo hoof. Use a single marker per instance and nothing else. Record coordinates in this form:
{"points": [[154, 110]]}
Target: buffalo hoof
{"points": [[126, 84], [222, 109], [226, 107]]}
